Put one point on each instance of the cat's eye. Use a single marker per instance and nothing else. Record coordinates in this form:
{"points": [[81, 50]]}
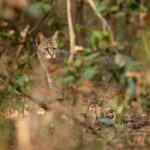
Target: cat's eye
{"points": [[46, 49]]}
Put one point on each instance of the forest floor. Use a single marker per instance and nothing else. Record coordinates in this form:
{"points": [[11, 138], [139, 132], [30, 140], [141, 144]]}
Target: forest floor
{"points": [[132, 133]]}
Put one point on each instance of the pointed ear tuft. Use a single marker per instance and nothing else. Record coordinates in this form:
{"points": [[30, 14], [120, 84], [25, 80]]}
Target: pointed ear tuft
{"points": [[55, 35], [40, 38], [54, 39]]}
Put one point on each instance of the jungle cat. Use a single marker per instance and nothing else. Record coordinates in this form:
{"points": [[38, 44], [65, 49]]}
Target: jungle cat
{"points": [[50, 57]]}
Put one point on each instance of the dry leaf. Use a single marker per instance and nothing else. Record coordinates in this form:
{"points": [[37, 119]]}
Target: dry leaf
{"points": [[78, 48]]}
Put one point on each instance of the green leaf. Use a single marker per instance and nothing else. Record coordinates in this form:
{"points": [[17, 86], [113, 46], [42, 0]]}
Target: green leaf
{"points": [[93, 56], [113, 9], [132, 88], [134, 4], [98, 38], [119, 110], [22, 80], [4, 34], [44, 6], [37, 9], [68, 79], [13, 90], [78, 63], [144, 8], [86, 51], [89, 73], [107, 121], [145, 104], [71, 70], [101, 9], [17, 106], [134, 66], [122, 60]]}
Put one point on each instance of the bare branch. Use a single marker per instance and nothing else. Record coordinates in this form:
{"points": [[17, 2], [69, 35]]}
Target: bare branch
{"points": [[40, 22], [42, 19], [71, 31], [105, 24]]}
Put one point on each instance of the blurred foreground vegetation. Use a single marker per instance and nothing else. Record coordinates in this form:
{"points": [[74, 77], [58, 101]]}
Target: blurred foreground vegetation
{"points": [[106, 85]]}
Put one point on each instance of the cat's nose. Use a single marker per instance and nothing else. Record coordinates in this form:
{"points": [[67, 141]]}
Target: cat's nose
{"points": [[54, 56]]}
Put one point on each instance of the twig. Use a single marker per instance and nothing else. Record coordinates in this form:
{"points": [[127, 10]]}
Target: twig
{"points": [[38, 102], [105, 24], [102, 19], [42, 19], [40, 22], [71, 32]]}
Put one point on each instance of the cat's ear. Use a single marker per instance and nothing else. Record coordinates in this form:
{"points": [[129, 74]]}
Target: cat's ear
{"points": [[55, 36], [40, 38], [54, 40]]}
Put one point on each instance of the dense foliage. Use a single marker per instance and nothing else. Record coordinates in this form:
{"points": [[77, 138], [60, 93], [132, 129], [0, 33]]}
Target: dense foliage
{"points": [[105, 84]]}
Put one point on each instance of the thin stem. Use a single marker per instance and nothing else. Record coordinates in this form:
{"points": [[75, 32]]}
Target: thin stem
{"points": [[71, 32]]}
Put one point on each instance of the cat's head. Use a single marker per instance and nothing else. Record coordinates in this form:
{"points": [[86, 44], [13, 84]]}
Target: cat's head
{"points": [[47, 47]]}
